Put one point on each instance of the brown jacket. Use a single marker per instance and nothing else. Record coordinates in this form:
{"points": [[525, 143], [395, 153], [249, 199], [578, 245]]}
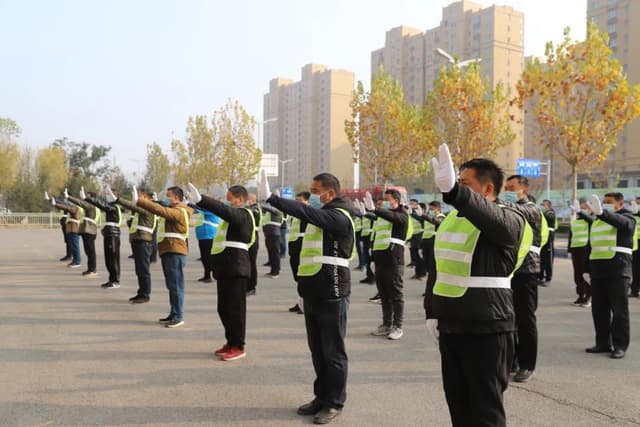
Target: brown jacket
{"points": [[145, 219], [174, 223], [86, 226], [73, 221]]}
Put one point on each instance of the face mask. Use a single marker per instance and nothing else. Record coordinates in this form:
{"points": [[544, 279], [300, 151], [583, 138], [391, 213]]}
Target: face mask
{"points": [[510, 196], [609, 208], [315, 202], [386, 205], [166, 202], [227, 203]]}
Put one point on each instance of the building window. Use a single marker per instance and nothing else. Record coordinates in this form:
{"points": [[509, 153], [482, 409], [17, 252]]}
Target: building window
{"points": [[613, 13], [623, 183], [612, 43]]}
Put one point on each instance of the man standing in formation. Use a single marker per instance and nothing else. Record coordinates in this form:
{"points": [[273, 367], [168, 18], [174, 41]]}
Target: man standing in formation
{"points": [[547, 252], [253, 250], [392, 231], [611, 237], [478, 247], [324, 283], [634, 292], [415, 243], [63, 225], [110, 238], [579, 248], [271, 227], [433, 217], [367, 244], [231, 263], [72, 229], [143, 224], [524, 282], [296, 233], [88, 228], [206, 227], [173, 233]]}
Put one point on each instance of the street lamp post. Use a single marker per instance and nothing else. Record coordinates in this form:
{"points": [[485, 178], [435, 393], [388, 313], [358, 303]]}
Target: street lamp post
{"points": [[282, 163]]}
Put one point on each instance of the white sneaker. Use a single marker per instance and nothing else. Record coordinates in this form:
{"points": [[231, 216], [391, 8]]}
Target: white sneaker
{"points": [[381, 330], [586, 304], [395, 334]]}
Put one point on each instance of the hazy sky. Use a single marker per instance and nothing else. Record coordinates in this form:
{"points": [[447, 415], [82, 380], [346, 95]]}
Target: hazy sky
{"points": [[126, 73]]}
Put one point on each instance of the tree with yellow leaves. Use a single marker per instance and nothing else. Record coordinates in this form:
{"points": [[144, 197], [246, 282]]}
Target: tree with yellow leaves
{"points": [[469, 116], [581, 100]]}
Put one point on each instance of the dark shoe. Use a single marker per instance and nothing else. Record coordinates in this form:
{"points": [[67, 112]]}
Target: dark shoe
{"points": [[134, 297], [618, 353], [634, 294], [523, 375], [295, 309], [272, 275], [139, 300], [105, 285], [131, 256], [411, 265], [266, 264], [205, 280], [598, 349], [310, 408], [579, 301], [112, 285], [174, 323], [65, 258], [251, 292], [199, 259], [367, 280], [165, 320], [326, 415]]}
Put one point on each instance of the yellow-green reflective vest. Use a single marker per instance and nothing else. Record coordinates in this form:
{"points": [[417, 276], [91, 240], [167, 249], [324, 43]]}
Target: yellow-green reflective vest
{"points": [[135, 227], [455, 245], [544, 230], [367, 227], [161, 225], [266, 220], [311, 254], [636, 234], [95, 219], [357, 222], [116, 224], [604, 238], [220, 241], [579, 233], [294, 232], [429, 230], [417, 226], [383, 237]]}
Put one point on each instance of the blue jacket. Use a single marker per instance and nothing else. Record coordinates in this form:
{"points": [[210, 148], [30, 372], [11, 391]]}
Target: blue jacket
{"points": [[207, 230]]}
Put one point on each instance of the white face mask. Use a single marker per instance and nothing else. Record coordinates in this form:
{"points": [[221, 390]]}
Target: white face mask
{"points": [[608, 207]]}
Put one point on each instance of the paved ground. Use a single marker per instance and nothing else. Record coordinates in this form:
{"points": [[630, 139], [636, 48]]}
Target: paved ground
{"points": [[74, 354]]}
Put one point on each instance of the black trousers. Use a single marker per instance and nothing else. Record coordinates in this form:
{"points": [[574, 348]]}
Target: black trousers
{"points": [[232, 309], [358, 243], [579, 259], [390, 284], [416, 257], [273, 248], [89, 244], [294, 262], [142, 258], [610, 311], [635, 264], [366, 254], [205, 256], [326, 323], [430, 262], [253, 256], [525, 304], [67, 248], [475, 373], [546, 258], [154, 249], [112, 256]]}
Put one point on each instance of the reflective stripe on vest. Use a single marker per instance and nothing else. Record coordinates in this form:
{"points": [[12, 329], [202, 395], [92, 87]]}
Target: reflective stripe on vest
{"points": [[579, 233], [93, 220], [73, 220], [455, 246], [604, 239], [220, 241], [429, 230], [366, 227], [161, 225], [636, 234], [135, 227], [115, 224], [383, 237], [311, 254]]}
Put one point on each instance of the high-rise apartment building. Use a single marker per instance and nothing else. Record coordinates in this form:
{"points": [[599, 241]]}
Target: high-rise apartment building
{"points": [[619, 18], [467, 31], [304, 123]]}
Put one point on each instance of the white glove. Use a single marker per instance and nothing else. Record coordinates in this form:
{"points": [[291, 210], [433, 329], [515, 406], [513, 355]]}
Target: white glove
{"points": [[587, 278], [263, 186], [193, 194], [110, 196], [403, 199], [66, 194], [445, 174], [83, 195], [432, 327], [134, 194], [361, 207], [595, 205], [634, 207], [154, 197], [53, 201], [575, 207], [276, 193], [368, 202], [46, 195]]}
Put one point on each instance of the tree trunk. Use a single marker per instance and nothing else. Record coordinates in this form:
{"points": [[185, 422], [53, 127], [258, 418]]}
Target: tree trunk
{"points": [[574, 188]]}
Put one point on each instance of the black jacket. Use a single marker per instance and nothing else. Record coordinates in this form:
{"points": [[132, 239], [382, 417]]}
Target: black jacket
{"points": [[276, 216], [483, 310], [620, 265], [550, 216], [231, 262], [113, 214], [331, 282], [533, 215], [394, 254]]}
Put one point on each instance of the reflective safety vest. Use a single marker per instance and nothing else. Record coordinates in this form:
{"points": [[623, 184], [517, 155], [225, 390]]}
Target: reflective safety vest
{"points": [[429, 230], [367, 227], [357, 222], [636, 234], [93, 220], [116, 224], [135, 227], [161, 225], [544, 231], [454, 249], [64, 216], [257, 225], [294, 232], [383, 237], [311, 254], [201, 221], [417, 226], [604, 238], [579, 233], [266, 220], [220, 241]]}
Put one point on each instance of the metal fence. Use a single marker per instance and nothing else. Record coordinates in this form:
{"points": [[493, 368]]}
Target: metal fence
{"points": [[30, 219]]}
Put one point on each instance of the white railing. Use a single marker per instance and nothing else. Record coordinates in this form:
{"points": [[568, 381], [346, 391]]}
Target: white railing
{"points": [[26, 219]]}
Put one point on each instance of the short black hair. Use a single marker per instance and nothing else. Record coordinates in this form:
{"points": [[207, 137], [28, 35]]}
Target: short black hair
{"points": [[239, 191], [486, 171], [177, 191], [329, 181], [423, 206], [522, 180], [413, 200], [551, 204], [395, 194], [617, 196], [91, 194], [435, 204], [304, 194]]}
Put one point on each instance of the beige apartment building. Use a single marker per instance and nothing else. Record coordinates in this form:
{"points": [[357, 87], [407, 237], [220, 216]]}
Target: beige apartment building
{"points": [[467, 31], [620, 19], [304, 123]]}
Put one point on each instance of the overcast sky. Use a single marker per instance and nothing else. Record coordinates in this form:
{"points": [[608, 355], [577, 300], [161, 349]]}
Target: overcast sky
{"points": [[128, 72]]}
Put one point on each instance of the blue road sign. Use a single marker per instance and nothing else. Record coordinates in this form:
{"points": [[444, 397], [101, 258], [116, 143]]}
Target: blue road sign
{"points": [[528, 167], [286, 192]]}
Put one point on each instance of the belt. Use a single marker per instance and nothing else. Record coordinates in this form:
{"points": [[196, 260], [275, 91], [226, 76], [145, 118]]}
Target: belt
{"points": [[475, 281], [111, 224], [329, 260], [618, 249], [213, 224], [228, 244], [173, 236], [277, 224], [147, 229], [92, 221], [397, 241], [73, 220], [552, 229], [535, 250]]}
